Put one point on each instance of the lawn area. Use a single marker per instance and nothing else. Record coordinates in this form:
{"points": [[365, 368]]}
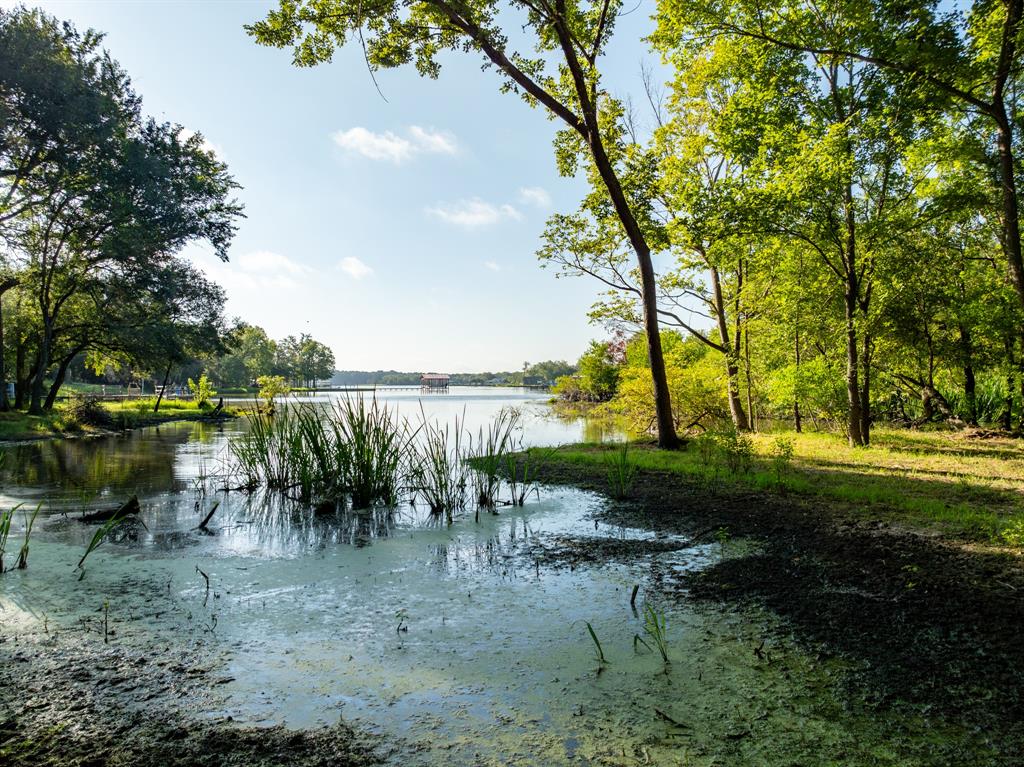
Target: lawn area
{"points": [[128, 414], [966, 484]]}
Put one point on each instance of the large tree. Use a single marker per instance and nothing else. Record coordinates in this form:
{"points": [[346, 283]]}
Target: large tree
{"points": [[562, 75]]}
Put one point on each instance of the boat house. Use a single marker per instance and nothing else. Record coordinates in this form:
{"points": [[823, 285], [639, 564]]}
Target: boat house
{"points": [[434, 382]]}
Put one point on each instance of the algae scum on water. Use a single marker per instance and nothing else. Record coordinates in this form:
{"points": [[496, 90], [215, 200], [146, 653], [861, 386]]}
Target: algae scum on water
{"points": [[468, 643]]}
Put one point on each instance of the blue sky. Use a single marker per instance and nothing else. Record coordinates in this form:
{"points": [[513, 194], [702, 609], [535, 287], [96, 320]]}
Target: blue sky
{"points": [[401, 233]]}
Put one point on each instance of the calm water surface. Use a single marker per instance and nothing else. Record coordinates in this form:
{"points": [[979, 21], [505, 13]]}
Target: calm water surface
{"points": [[464, 644]]}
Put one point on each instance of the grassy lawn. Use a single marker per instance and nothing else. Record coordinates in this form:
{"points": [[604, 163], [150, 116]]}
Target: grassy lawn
{"points": [[959, 483], [17, 425]]}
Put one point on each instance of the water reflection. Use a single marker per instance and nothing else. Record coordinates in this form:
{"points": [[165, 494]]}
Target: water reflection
{"points": [[176, 471]]}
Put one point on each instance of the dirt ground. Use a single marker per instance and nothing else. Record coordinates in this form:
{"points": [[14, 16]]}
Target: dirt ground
{"points": [[931, 626]]}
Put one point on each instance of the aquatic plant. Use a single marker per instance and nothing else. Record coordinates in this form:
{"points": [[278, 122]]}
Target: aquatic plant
{"points": [[523, 471], [372, 444], [656, 628], [6, 517], [598, 650], [490, 455], [101, 535], [30, 520], [621, 472], [438, 471], [355, 450]]}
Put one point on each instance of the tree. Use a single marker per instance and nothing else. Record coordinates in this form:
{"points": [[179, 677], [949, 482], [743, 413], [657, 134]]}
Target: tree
{"points": [[573, 34], [970, 60]]}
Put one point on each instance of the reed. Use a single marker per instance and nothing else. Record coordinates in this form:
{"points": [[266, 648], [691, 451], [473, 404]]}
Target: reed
{"points": [[30, 521], [490, 455], [6, 517], [354, 450], [621, 472], [438, 471], [373, 445]]}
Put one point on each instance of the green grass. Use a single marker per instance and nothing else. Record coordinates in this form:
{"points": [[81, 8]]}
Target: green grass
{"points": [[952, 482], [17, 425]]}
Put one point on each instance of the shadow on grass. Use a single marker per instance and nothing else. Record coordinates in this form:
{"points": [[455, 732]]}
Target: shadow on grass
{"points": [[925, 621]]}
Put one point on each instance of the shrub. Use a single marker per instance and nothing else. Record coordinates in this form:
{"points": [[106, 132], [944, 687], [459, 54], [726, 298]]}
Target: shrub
{"points": [[271, 387], [202, 391], [81, 411]]}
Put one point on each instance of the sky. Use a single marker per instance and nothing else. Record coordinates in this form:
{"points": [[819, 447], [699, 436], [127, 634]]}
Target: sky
{"points": [[401, 233]]}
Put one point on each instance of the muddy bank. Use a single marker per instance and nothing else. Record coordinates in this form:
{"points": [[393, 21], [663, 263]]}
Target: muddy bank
{"points": [[69, 698], [930, 626]]}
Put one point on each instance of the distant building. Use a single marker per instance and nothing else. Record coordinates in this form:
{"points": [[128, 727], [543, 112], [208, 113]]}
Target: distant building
{"points": [[434, 382]]}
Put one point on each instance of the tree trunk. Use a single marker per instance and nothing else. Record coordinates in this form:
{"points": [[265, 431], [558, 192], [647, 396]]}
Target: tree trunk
{"points": [[865, 391], [5, 403], [750, 380], [852, 379], [970, 383], [58, 381], [20, 379], [796, 400], [160, 396], [35, 406], [739, 418]]}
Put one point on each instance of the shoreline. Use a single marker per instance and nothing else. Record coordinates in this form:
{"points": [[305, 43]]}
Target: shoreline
{"points": [[927, 620], [91, 432]]}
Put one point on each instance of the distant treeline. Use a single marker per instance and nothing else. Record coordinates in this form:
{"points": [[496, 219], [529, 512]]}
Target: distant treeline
{"points": [[541, 373]]}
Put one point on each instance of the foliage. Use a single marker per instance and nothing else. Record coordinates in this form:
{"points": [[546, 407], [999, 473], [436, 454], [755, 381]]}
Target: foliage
{"points": [[202, 391], [272, 387]]}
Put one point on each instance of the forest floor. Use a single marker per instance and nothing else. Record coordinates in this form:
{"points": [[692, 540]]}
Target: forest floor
{"points": [[903, 559]]}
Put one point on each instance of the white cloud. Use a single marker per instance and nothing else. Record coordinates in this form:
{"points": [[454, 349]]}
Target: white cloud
{"points": [[354, 268], [492, 266], [535, 195], [391, 147], [473, 213], [185, 134], [265, 261], [430, 140], [254, 272]]}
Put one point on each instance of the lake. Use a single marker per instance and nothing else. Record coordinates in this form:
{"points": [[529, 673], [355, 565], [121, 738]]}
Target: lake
{"points": [[470, 643]]}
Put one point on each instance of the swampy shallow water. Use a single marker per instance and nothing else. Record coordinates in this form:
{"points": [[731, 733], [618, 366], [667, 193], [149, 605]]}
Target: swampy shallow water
{"points": [[464, 644]]}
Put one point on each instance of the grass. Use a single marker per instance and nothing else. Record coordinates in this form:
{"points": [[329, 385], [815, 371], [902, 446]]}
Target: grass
{"points": [[16, 425], [954, 482]]}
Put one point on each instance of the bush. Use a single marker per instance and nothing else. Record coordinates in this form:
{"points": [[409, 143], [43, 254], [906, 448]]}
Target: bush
{"points": [[81, 411], [202, 391]]}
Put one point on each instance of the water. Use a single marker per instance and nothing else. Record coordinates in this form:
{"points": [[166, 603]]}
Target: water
{"points": [[465, 644]]}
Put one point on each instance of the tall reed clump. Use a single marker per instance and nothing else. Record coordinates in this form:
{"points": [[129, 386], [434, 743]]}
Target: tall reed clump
{"points": [[372, 443], [438, 471], [621, 472], [490, 455], [354, 450], [268, 453]]}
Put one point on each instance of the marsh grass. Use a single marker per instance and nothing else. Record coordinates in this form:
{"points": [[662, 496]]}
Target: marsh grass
{"points": [[30, 521], [621, 472], [656, 629], [955, 482], [527, 480], [598, 650], [360, 452], [438, 471], [354, 450], [101, 535], [490, 456], [6, 517]]}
